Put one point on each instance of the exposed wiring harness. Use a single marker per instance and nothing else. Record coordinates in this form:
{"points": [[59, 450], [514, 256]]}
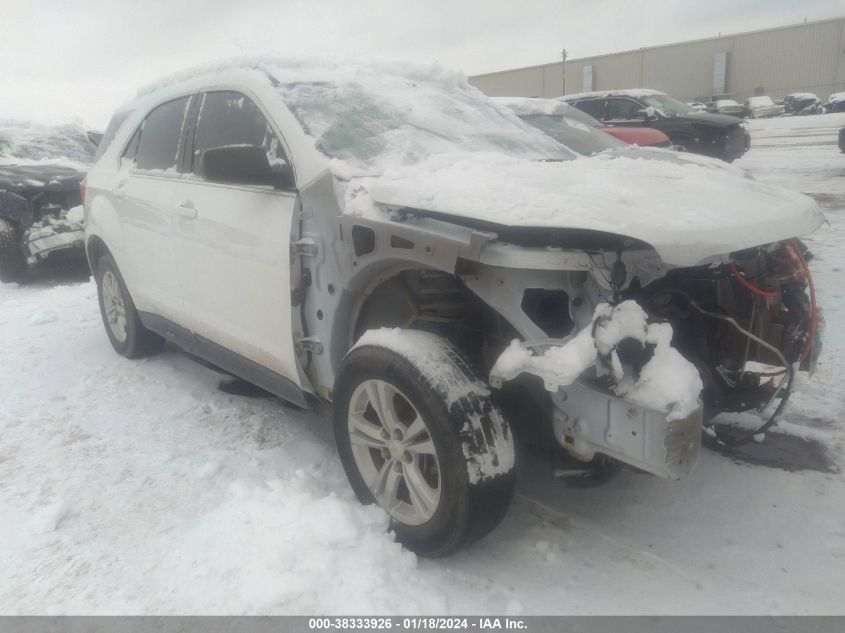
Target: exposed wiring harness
{"points": [[788, 369], [787, 380], [811, 330], [754, 289]]}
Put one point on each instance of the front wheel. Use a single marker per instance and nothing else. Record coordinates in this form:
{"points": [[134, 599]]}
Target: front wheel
{"points": [[418, 434]]}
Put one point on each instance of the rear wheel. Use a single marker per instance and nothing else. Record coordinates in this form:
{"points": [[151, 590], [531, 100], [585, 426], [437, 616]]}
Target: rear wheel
{"points": [[13, 266], [418, 435], [123, 326]]}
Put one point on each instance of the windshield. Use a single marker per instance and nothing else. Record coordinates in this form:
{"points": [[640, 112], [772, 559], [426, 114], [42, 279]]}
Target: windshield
{"points": [[393, 121], [574, 114], [665, 105], [573, 132], [26, 141]]}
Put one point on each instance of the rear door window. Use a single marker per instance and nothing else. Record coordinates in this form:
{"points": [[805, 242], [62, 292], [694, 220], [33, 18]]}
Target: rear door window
{"points": [[622, 109], [160, 136], [228, 118], [593, 107]]}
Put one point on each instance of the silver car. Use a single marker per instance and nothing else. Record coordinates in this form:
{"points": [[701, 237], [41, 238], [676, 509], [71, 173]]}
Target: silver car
{"points": [[762, 107]]}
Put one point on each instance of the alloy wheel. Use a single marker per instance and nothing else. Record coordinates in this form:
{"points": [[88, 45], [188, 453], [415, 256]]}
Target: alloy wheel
{"points": [[114, 306], [394, 452]]}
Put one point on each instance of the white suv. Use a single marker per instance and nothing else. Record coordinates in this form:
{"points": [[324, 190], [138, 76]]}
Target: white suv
{"points": [[387, 239]]}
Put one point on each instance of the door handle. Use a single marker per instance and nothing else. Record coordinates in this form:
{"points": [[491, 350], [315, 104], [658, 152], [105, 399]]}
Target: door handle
{"points": [[186, 209]]}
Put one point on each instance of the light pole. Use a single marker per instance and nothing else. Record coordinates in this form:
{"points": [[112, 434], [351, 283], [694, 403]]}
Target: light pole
{"points": [[563, 54]]}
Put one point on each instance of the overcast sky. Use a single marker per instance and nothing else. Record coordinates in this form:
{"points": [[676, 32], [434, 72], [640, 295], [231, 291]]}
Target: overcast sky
{"points": [[82, 59]]}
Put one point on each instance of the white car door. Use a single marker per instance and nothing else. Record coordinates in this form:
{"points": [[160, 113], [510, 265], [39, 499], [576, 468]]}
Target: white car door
{"points": [[144, 191], [232, 239]]}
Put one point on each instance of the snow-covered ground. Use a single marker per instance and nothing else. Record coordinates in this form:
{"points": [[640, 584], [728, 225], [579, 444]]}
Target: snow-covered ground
{"points": [[139, 487]]}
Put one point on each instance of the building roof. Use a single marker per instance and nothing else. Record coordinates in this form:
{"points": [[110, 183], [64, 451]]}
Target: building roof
{"points": [[655, 46]]}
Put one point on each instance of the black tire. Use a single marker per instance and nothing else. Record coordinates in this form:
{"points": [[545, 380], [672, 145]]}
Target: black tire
{"points": [[473, 442], [139, 341], [13, 266]]}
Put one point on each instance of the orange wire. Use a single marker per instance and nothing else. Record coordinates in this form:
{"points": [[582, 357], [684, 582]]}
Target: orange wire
{"points": [[811, 332], [754, 289]]}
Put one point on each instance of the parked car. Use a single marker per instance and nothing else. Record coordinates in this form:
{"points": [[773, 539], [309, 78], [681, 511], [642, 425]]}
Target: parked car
{"points": [[835, 102], [716, 135], [727, 106], [385, 238], [578, 130], [698, 106], [802, 103], [41, 168], [761, 107]]}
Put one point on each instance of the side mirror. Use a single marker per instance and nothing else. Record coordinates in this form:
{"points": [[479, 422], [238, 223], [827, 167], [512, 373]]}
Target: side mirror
{"points": [[647, 114], [244, 165]]}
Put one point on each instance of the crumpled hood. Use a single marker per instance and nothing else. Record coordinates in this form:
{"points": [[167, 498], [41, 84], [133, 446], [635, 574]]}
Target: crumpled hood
{"points": [[688, 209]]}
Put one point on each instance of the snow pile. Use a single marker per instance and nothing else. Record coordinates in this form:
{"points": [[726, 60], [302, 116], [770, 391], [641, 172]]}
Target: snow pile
{"points": [[667, 382], [25, 142]]}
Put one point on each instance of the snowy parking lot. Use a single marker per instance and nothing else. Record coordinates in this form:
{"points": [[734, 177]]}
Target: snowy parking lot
{"points": [[140, 487]]}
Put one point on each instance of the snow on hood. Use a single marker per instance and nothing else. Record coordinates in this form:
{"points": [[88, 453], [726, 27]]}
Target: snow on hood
{"points": [[687, 210]]}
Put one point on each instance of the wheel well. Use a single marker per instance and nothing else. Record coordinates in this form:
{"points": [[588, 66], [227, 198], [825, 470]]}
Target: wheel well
{"points": [[95, 249], [439, 302]]}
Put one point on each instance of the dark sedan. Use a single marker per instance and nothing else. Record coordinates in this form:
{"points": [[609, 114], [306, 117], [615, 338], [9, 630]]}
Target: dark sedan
{"points": [[41, 168], [716, 135]]}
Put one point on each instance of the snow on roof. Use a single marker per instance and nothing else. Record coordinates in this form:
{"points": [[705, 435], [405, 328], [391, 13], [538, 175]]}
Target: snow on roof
{"points": [[630, 92], [836, 97], [802, 95], [309, 69]]}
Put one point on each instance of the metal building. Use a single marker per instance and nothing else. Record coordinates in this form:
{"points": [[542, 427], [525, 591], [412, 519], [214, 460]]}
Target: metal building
{"points": [[808, 57]]}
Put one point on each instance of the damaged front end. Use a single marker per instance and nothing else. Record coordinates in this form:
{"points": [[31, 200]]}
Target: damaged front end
{"points": [[619, 389], [40, 216], [667, 350]]}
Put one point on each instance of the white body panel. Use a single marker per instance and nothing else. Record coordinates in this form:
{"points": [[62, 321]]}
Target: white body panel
{"points": [[233, 264], [145, 215]]}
